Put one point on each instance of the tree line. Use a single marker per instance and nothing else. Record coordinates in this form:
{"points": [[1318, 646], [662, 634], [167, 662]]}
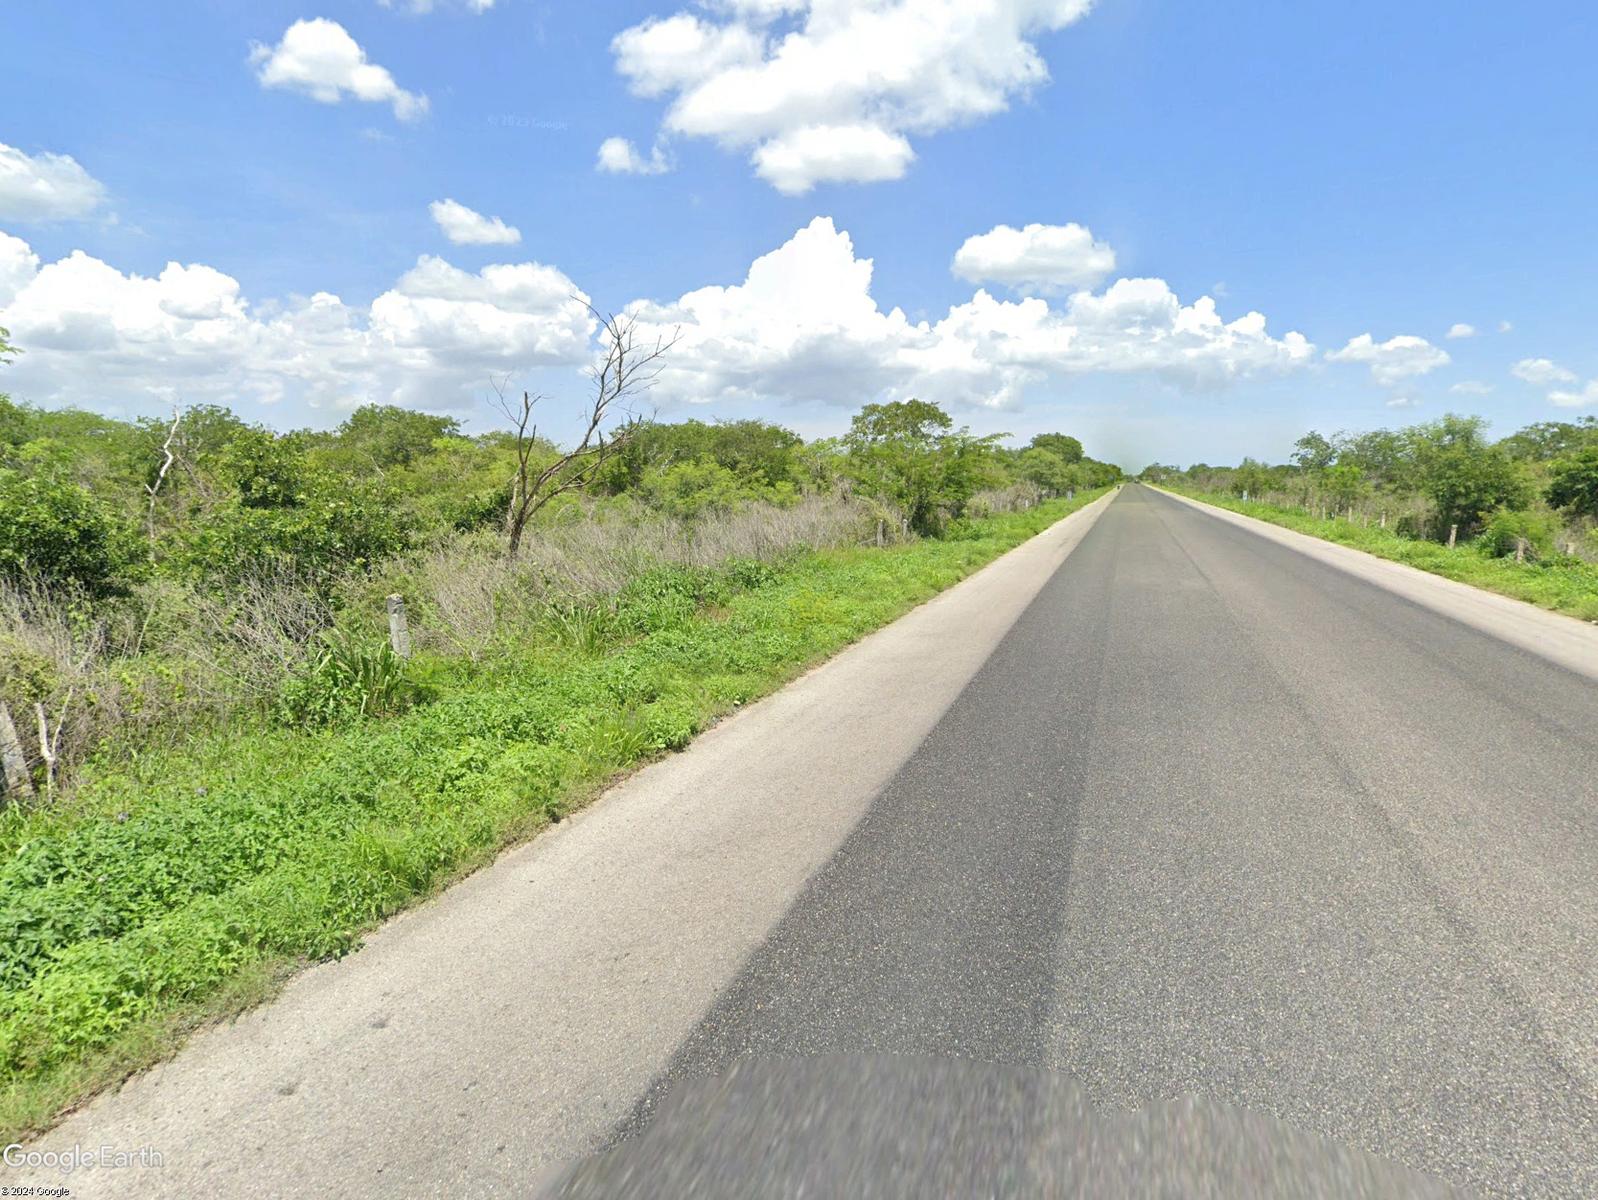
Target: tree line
{"points": [[98, 504], [1534, 491]]}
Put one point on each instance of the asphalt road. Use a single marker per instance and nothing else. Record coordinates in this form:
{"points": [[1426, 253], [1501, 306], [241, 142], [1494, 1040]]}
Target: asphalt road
{"points": [[1188, 864], [1218, 820]]}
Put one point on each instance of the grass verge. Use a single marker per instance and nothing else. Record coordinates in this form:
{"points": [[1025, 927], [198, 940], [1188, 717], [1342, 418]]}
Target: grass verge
{"points": [[184, 888], [1562, 583]]}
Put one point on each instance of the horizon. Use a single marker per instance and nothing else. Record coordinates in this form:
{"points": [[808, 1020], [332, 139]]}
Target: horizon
{"points": [[297, 212]]}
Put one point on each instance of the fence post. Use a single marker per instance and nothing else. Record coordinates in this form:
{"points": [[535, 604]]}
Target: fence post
{"points": [[1520, 549], [1453, 535], [882, 529], [15, 763], [399, 632], [1384, 520]]}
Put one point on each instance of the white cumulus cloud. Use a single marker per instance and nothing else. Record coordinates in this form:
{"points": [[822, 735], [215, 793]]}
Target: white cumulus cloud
{"points": [[618, 156], [819, 91], [94, 335], [45, 187], [1472, 387], [1038, 258], [1542, 372], [1586, 398], [1461, 330], [1395, 360], [466, 227], [803, 326], [319, 58]]}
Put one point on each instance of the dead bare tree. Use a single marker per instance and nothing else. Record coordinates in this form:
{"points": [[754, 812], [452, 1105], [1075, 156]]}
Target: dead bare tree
{"points": [[50, 743], [169, 457], [625, 369]]}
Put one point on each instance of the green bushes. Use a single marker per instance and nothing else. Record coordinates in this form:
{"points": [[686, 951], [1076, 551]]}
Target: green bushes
{"points": [[327, 532], [1573, 484], [169, 876], [53, 530], [1508, 530], [1444, 480], [347, 679], [1560, 582]]}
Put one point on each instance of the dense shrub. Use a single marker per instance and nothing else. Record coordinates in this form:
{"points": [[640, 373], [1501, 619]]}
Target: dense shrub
{"points": [[1507, 528], [1574, 482], [332, 528], [56, 531]]}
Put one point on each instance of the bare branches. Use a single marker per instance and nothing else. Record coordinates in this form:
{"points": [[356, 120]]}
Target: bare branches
{"points": [[624, 370], [50, 743], [160, 476]]}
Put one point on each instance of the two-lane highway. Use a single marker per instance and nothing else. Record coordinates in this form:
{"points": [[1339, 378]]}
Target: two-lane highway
{"points": [[1186, 818], [1219, 820]]}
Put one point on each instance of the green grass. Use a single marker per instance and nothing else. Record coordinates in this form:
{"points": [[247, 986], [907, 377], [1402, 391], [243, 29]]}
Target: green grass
{"points": [[187, 886], [1561, 583]]}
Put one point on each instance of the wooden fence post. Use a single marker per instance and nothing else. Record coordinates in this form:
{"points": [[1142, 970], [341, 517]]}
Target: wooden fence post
{"points": [[1453, 535], [16, 778], [1520, 549], [399, 632]]}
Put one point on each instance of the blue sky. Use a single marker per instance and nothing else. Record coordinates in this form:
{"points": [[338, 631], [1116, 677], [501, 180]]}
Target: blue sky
{"points": [[1341, 168]]}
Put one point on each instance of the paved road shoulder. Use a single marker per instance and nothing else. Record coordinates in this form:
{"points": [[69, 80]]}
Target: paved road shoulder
{"points": [[1564, 640]]}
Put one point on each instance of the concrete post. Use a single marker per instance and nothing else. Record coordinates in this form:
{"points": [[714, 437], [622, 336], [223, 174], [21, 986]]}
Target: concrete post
{"points": [[1520, 550], [1453, 535], [17, 780], [399, 632]]}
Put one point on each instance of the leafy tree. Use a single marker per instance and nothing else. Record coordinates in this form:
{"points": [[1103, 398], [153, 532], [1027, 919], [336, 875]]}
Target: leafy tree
{"points": [[907, 452], [752, 450], [1547, 440], [1345, 485], [1314, 452], [334, 525], [13, 427], [267, 471], [1467, 481], [1574, 482], [1251, 477], [385, 435], [1068, 448], [1046, 469], [53, 529], [692, 488], [1386, 458]]}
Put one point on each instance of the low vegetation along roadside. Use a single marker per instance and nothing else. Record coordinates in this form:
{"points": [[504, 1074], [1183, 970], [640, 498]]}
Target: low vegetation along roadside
{"points": [[221, 762], [1518, 516], [169, 880], [1565, 584]]}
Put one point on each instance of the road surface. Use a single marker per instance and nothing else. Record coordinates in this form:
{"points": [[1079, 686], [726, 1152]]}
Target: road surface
{"points": [[1184, 817]]}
